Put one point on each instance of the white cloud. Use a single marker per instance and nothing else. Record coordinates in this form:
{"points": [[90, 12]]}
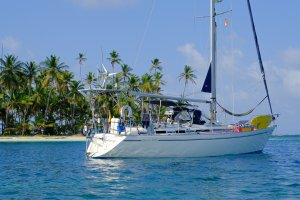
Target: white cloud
{"points": [[291, 56], [198, 62], [230, 59], [254, 71], [11, 44], [194, 58], [272, 71], [233, 36], [283, 74], [103, 3], [291, 80], [229, 66], [31, 55]]}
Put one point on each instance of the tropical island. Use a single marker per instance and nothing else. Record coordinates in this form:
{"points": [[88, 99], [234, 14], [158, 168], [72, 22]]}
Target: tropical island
{"points": [[44, 98]]}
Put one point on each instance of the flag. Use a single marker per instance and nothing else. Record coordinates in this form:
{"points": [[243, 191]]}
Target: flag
{"points": [[226, 22]]}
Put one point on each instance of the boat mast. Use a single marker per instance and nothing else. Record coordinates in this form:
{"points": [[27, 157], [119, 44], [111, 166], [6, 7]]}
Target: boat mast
{"points": [[213, 107]]}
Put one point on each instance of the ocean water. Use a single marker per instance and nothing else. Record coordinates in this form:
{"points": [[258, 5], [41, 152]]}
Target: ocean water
{"points": [[59, 170]]}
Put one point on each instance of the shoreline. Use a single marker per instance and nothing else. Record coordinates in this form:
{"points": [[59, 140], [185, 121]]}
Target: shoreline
{"points": [[42, 138]]}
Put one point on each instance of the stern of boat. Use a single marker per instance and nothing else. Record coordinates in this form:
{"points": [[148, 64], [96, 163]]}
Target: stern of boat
{"points": [[101, 143]]}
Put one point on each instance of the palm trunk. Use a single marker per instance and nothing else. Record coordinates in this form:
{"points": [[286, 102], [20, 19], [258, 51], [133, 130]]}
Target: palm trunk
{"points": [[46, 110], [80, 74], [2, 127], [30, 83], [6, 118], [73, 114], [113, 68], [184, 88], [24, 120]]}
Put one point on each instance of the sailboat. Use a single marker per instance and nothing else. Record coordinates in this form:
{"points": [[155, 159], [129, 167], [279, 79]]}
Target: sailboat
{"points": [[185, 133]]}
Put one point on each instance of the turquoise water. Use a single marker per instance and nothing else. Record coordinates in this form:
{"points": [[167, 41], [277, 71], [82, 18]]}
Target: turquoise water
{"points": [[59, 170]]}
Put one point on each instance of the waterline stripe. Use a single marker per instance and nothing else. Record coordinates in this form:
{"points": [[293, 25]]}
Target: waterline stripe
{"points": [[174, 140]]}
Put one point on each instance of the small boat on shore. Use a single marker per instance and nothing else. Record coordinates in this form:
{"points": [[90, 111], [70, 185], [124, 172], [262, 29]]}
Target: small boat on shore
{"points": [[183, 131]]}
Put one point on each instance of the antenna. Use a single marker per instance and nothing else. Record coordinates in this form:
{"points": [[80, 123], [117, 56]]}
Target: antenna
{"points": [[217, 14], [101, 56]]}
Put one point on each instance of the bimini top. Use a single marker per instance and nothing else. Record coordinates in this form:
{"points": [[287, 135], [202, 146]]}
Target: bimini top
{"points": [[141, 94]]}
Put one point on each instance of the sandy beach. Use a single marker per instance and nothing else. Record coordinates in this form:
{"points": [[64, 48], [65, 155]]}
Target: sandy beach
{"points": [[75, 138]]}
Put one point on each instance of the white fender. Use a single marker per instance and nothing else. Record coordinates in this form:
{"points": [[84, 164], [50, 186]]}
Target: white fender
{"points": [[127, 107]]}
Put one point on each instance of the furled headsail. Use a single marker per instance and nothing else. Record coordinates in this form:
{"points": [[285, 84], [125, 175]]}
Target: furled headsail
{"points": [[259, 57]]}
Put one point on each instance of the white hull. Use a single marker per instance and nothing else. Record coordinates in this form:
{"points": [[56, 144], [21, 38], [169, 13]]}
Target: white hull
{"points": [[178, 145]]}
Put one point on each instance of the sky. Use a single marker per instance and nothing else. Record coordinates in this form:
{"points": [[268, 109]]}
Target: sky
{"points": [[176, 32]]}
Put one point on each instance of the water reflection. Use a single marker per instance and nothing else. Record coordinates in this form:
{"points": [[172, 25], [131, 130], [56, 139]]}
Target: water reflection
{"points": [[108, 169], [106, 175]]}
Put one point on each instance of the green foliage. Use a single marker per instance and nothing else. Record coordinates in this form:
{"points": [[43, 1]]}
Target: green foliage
{"points": [[45, 99], [187, 75], [39, 99]]}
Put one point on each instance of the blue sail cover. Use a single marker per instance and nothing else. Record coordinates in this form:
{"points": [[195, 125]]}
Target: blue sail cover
{"points": [[207, 83]]}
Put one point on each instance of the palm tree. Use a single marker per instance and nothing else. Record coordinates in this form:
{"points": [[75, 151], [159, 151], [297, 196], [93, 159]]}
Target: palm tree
{"points": [[146, 84], [133, 83], [81, 59], [24, 103], [155, 65], [125, 72], [41, 101], [2, 110], [30, 70], [10, 80], [9, 104], [114, 59], [75, 98], [11, 72], [16, 103], [53, 73], [90, 78], [187, 75], [74, 93], [63, 108], [67, 78], [158, 82]]}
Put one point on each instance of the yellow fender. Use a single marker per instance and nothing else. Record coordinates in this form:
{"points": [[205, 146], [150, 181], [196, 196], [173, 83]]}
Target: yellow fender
{"points": [[261, 121]]}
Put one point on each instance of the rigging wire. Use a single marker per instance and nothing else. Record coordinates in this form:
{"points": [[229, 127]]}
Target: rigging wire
{"points": [[233, 71], [259, 57], [220, 51], [224, 30], [144, 33]]}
